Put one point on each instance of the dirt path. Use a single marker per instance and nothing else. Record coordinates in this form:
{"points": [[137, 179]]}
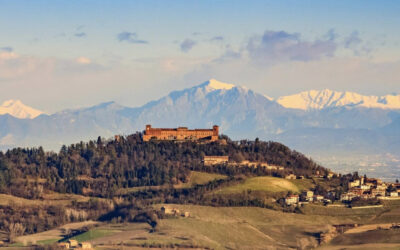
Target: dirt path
{"points": [[370, 227]]}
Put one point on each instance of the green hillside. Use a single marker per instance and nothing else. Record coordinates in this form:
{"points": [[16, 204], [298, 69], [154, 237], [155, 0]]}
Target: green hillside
{"points": [[268, 184]]}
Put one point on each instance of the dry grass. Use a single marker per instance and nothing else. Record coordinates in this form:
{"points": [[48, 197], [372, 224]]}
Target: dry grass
{"points": [[54, 234], [50, 198]]}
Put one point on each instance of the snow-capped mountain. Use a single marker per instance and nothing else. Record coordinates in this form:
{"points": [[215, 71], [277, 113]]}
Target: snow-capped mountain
{"points": [[19, 110], [315, 99], [313, 122]]}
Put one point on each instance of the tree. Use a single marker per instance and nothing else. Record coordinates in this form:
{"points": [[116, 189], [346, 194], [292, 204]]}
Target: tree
{"points": [[13, 230]]}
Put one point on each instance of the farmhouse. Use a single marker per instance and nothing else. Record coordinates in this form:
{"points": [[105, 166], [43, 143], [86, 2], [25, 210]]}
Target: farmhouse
{"points": [[214, 160], [62, 245], [167, 210], [85, 245], [73, 243], [292, 199], [180, 134]]}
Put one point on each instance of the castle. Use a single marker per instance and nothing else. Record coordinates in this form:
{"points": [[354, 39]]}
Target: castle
{"points": [[180, 134]]}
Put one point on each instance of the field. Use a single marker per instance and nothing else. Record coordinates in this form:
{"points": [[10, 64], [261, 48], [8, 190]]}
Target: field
{"points": [[229, 228], [200, 178], [268, 185], [53, 235]]}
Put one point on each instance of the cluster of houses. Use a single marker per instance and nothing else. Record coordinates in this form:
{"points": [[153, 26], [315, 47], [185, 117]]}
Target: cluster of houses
{"points": [[364, 188], [174, 212], [74, 244], [368, 188], [305, 197]]}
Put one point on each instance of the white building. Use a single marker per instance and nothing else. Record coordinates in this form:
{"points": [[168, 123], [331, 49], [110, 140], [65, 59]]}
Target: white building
{"points": [[292, 199]]}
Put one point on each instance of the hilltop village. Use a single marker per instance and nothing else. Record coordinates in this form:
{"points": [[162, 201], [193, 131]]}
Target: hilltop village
{"points": [[358, 188]]}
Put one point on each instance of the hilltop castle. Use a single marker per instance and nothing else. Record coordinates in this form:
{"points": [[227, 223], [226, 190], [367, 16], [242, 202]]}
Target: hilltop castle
{"points": [[180, 134]]}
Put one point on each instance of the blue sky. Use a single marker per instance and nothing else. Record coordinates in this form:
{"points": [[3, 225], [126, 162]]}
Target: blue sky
{"points": [[59, 54]]}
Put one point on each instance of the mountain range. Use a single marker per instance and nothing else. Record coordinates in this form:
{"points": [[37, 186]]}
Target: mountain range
{"points": [[315, 122]]}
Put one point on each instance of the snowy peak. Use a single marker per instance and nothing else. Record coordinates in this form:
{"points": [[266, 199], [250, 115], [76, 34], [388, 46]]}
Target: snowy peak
{"points": [[213, 84], [19, 110], [320, 99]]}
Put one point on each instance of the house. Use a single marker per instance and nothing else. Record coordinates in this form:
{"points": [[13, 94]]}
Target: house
{"points": [[166, 210], [185, 214], [374, 181], [292, 199], [366, 196], [170, 211], [356, 191], [290, 177], [330, 175], [347, 196], [214, 160], [378, 192], [394, 194], [63, 245], [365, 187], [354, 183], [308, 194], [73, 243], [318, 197], [85, 245]]}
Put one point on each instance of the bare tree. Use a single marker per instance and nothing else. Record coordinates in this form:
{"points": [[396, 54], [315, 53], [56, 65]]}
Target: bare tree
{"points": [[14, 230]]}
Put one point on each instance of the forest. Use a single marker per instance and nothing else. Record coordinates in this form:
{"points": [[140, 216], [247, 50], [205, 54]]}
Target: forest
{"points": [[100, 169]]}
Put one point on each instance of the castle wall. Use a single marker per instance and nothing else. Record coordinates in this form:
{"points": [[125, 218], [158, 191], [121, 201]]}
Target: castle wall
{"points": [[181, 133]]}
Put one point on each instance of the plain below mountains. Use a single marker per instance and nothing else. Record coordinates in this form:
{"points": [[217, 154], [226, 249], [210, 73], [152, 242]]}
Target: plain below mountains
{"points": [[314, 122]]}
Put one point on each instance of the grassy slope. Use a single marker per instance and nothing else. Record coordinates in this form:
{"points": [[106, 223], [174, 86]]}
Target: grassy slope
{"points": [[235, 227], [200, 178], [228, 227], [268, 184]]}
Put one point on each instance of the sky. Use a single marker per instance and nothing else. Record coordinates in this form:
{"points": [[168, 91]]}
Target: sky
{"points": [[56, 55]]}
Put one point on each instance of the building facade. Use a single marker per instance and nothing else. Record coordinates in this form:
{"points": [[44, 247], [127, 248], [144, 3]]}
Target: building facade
{"points": [[214, 160], [180, 134]]}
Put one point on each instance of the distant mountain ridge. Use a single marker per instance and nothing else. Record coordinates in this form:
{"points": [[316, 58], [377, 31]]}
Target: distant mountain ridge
{"points": [[306, 100], [326, 98], [19, 110], [324, 121]]}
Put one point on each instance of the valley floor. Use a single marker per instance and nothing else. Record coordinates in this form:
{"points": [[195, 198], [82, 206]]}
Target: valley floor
{"points": [[235, 228]]}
